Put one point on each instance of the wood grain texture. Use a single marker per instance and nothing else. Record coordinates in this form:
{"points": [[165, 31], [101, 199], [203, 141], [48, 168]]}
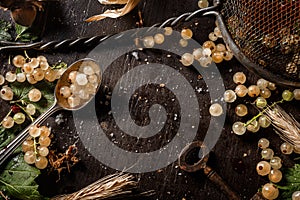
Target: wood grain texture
{"points": [[234, 158]]}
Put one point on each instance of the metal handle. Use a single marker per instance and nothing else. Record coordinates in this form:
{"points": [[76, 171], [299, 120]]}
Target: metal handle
{"points": [[13, 145], [91, 41], [217, 180]]}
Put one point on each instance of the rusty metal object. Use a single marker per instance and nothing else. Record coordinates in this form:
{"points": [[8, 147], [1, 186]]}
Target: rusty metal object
{"points": [[208, 171]]}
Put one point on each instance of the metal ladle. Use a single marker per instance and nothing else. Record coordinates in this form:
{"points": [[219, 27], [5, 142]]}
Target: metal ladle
{"points": [[60, 103], [208, 171]]}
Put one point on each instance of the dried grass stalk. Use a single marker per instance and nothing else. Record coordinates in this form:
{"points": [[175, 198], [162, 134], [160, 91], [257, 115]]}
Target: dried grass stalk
{"points": [[129, 5], [109, 186], [287, 127]]}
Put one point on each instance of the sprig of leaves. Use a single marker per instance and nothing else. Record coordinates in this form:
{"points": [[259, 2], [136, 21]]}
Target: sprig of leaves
{"points": [[25, 34], [18, 180], [292, 178], [5, 27]]}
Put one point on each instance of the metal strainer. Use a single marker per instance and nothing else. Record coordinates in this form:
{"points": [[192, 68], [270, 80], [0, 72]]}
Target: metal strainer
{"points": [[264, 36]]}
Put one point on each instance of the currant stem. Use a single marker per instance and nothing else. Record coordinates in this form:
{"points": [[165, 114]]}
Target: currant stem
{"points": [[262, 112], [5, 117], [34, 146], [31, 118]]}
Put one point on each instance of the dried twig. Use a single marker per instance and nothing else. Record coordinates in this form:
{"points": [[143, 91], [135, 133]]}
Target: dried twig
{"points": [[109, 186], [129, 5], [287, 127]]}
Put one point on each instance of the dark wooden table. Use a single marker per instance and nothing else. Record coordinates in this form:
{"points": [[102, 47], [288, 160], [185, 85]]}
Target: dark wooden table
{"points": [[234, 157]]}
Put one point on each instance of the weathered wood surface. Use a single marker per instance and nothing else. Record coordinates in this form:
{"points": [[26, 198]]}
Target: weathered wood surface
{"points": [[233, 157]]}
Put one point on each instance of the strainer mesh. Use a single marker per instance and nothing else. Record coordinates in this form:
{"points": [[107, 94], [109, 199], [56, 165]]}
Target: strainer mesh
{"points": [[267, 32]]}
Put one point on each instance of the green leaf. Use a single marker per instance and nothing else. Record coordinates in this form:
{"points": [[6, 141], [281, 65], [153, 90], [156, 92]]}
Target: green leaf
{"points": [[25, 34], [21, 91], [7, 135], [18, 180], [292, 178], [4, 31]]}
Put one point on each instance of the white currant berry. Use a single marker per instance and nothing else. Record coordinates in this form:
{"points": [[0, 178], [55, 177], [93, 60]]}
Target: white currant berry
{"points": [[6, 93], [21, 77], [34, 95], [10, 77]]}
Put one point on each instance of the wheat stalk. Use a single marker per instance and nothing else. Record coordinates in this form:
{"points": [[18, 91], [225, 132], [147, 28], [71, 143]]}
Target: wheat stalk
{"points": [[109, 186], [287, 126]]}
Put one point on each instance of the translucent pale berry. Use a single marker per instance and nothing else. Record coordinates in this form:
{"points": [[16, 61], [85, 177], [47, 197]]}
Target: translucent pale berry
{"points": [[270, 191], [186, 34], [241, 110], [296, 94], [45, 131], [216, 110], [148, 42], [18, 61], [34, 95], [41, 162], [65, 91], [159, 38], [50, 75], [197, 53], [261, 102], [264, 121], [10, 76], [183, 42], [29, 157], [6, 93], [241, 90], [275, 162], [81, 79], [41, 59], [286, 148], [239, 128], [263, 143], [296, 195], [209, 45], [21, 77], [253, 126], [267, 154], [262, 83], [8, 122], [239, 78], [263, 168], [275, 175], [19, 118], [44, 141], [253, 91], [229, 96], [217, 57], [73, 101], [265, 93], [30, 109], [38, 74], [287, 95], [27, 145], [34, 131], [187, 59], [168, 30], [2, 80], [43, 151], [27, 68]]}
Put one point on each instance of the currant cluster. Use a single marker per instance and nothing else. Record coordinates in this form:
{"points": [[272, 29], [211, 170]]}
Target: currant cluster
{"points": [[261, 91], [81, 85], [208, 53], [36, 146], [269, 166], [33, 70]]}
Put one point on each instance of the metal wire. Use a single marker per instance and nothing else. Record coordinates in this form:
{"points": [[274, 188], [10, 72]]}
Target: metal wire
{"points": [[267, 32]]}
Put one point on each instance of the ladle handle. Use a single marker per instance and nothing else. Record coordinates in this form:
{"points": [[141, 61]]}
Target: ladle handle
{"points": [[13, 145], [217, 180]]}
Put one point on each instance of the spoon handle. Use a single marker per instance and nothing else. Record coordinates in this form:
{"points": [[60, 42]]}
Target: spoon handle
{"points": [[13, 145]]}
